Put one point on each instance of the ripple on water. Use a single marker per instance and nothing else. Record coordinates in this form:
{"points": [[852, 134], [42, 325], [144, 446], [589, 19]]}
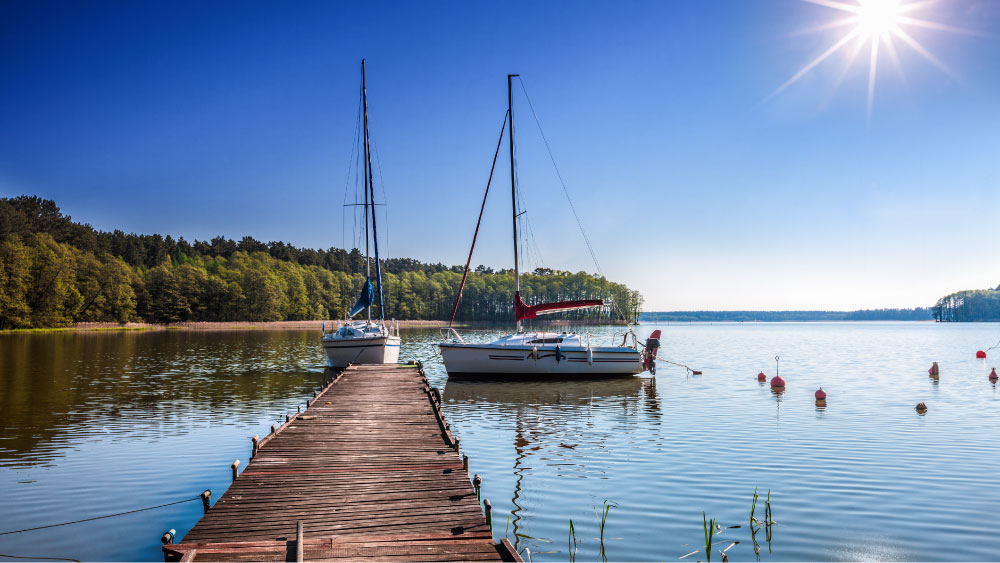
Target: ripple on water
{"points": [[101, 422]]}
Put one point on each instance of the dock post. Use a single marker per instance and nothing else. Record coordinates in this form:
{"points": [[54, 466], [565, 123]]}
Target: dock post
{"points": [[256, 446], [457, 449], [235, 467], [274, 427], [168, 536], [465, 463], [206, 498], [489, 514], [298, 408], [288, 417], [299, 541], [477, 482]]}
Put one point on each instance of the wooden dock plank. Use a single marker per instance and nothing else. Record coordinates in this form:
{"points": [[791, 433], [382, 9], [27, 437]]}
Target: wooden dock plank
{"points": [[368, 472]]}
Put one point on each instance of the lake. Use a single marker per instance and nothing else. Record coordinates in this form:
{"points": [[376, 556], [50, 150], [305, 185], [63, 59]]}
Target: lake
{"points": [[96, 423]]}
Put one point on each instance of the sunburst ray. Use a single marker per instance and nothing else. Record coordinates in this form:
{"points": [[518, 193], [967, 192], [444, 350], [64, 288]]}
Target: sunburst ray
{"points": [[875, 23]]}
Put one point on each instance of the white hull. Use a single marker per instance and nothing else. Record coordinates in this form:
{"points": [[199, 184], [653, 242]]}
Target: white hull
{"points": [[341, 353], [472, 360]]}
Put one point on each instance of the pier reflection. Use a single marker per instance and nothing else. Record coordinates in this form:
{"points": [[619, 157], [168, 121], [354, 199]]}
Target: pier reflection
{"points": [[552, 420]]}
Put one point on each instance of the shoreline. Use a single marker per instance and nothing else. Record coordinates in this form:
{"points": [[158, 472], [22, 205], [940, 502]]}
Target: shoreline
{"points": [[270, 325]]}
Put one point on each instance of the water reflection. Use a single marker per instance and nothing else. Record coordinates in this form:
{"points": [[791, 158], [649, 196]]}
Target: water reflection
{"points": [[65, 387], [549, 417]]}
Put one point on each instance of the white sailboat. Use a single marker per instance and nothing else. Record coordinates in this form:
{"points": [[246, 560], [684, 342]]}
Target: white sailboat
{"points": [[536, 353], [368, 341]]}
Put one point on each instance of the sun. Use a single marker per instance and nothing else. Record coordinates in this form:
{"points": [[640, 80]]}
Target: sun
{"points": [[876, 18], [879, 24]]}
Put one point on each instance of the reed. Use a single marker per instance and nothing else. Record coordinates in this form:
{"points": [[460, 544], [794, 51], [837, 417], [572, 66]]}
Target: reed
{"points": [[602, 521], [709, 529], [571, 541]]}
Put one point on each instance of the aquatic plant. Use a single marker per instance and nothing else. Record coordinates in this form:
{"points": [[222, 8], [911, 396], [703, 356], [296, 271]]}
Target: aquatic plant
{"points": [[602, 520], [709, 528], [571, 541]]}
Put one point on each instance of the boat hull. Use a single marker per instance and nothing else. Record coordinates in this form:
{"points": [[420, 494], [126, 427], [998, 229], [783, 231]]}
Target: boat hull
{"points": [[484, 360], [341, 353]]}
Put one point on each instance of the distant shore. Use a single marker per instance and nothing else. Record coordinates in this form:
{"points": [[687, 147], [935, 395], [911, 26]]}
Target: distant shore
{"points": [[272, 325]]}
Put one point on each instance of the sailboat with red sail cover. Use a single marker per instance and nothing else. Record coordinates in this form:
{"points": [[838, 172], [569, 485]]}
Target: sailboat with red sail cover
{"points": [[533, 353]]}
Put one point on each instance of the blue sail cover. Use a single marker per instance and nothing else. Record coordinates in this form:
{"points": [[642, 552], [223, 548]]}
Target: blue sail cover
{"points": [[367, 295]]}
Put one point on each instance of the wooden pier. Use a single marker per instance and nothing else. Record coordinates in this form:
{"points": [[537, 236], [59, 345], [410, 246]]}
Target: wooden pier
{"points": [[368, 472]]}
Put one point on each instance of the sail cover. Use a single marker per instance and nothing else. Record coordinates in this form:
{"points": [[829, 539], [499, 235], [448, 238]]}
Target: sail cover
{"points": [[522, 311], [367, 296]]}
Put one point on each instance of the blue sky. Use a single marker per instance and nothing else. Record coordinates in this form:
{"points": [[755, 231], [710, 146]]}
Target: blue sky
{"points": [[197, 119]]}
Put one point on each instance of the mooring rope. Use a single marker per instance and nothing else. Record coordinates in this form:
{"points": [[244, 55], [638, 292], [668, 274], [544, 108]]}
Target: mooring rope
{"points": [[38, 558], [681, 365], [101, 517], [997, 345]]}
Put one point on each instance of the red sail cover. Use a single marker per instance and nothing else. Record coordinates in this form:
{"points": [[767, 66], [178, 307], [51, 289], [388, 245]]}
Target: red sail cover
{"points": [[522, 311]]}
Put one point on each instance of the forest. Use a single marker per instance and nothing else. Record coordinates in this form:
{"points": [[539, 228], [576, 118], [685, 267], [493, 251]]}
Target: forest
{"points": [[55, 272], [917, 314], [969, 305]]}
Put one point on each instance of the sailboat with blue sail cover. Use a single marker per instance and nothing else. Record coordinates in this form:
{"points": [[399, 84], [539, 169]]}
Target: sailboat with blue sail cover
{"points": [[367, 341]]}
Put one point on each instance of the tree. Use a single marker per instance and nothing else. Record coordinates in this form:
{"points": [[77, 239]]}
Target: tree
{"points": [[15, 273]]}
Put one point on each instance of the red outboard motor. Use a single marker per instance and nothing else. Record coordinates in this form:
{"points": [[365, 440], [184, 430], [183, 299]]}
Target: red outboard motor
{"points": [[649, 353]]}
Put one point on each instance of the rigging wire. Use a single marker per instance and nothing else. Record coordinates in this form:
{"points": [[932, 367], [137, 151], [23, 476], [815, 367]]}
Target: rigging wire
{"points": [[385, 204], [572, 207], [351, 161]]}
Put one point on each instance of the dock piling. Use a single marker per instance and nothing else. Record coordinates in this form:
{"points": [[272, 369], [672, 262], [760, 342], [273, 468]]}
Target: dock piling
{"points": [[489, 513], [373, 441], [256, 445], [206, 499], [477, 482], [299, 542]]}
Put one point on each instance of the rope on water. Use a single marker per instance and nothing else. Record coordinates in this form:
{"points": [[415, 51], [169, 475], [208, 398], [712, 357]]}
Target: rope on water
{"points": [[38, 558], [690, 371], [100, 517], [997, 345]]}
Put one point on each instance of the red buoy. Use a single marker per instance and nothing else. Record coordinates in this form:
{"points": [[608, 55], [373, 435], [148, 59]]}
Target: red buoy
{"points": [[993, 375], [820, 394], [933, 371], [980, 355], [777, 381], [761, 377]]}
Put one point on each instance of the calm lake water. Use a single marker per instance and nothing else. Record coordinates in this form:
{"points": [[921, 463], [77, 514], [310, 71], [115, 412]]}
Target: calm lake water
{"points": [[102, 422]]}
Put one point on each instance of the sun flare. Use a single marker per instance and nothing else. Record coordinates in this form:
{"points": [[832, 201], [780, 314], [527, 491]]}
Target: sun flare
{"points": [[880, 24]]}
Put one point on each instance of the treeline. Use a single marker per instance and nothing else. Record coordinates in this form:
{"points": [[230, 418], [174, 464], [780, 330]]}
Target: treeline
{"points": [[55, 272], [917, 314], [968, 306]]}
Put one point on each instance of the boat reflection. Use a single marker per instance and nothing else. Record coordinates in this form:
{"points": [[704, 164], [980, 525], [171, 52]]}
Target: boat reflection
{"points": [[518, 392], [553, 416]]}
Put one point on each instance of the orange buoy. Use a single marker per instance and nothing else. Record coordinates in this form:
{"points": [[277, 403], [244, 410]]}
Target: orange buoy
{"points": [[980, 355], [993, 375], [778, 381], [761, 377], [820, 394]]}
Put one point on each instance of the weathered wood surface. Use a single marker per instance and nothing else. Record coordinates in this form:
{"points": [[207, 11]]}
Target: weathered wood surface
{"points": [[369, 472]]}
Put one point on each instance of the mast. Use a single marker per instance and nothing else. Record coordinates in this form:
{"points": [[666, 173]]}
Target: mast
{"points": [[364, 99], [370, 193], [513, 193]]}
